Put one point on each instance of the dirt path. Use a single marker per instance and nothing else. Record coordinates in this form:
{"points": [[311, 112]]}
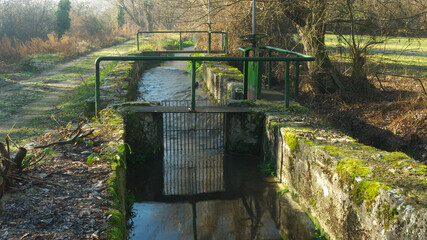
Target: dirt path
{"points": [[32, 98]]}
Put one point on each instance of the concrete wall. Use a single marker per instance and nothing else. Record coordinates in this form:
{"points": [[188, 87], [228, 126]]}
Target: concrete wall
{"points": [[244, 132], [344, 185], [143, 131], [353, 191], [223, 81]]}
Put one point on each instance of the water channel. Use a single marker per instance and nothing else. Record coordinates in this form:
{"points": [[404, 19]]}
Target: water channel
{"points": [[196, 191]]}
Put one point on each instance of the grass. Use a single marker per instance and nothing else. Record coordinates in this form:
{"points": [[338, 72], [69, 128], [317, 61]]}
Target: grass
{"points": [[398, 55], [72, 103]]}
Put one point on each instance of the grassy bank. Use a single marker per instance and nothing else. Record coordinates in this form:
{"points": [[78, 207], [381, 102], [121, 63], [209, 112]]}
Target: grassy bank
{"points": [[395, 55]]}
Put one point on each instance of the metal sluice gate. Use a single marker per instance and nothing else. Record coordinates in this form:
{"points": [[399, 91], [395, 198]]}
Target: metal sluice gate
{"points": [[193, 150]]}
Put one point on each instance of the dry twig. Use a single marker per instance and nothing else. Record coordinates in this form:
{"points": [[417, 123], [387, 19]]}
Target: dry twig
{"points": [[66, 141]]}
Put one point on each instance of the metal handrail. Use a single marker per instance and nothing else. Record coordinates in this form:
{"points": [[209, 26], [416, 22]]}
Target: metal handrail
{"points": [[303, 57], [193, 69], [224, 44]]}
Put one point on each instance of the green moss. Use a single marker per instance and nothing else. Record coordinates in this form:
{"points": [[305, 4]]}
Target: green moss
{"points": [[117, 222], [340, 150], [308, 141], [350, 168], [297, 108], [396, 156], [333, 150], [388, 215], [117, 189], [295, 197], [366, 191], [291, 141]]}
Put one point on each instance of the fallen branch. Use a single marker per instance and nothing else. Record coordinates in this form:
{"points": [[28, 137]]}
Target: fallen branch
{"points": [[394, 75], [67, 141], [39, 180], [38, 160], [381, 85]]}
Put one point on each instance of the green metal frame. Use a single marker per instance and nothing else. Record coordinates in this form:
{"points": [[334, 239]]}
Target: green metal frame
{"points": [[224, 41], [256, 76], [193, 60]]}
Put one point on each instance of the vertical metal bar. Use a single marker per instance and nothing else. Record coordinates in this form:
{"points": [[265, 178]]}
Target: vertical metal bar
{"points": [[245, 75], [209, 41], [205, 132], [226, 43], [195, 132], [209, 14], [259, 77], [180, 40], [193, 85], [296, 79], [170, 131], [222, 131], [253, 17], [222, 42], [181, 141], [211, 127], [185, 133], [218, 132], [287, 84], [165, 132], [137, 41], [97, 89], [270, 78]]}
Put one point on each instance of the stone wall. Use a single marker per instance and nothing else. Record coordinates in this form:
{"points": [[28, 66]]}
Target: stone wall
{"points": [[143, 131], [223, 81], [243, 132], [354, 191]]}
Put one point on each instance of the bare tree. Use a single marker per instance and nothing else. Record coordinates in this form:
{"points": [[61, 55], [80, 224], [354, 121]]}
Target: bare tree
{"points": [[25, 19], [139, 11]]}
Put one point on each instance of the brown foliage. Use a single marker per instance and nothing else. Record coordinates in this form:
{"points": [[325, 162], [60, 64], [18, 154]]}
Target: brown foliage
{"points": [[12, 50]]}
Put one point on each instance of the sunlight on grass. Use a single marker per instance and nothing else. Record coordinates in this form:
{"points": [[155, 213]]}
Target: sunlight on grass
{"points": [[401, 56]]}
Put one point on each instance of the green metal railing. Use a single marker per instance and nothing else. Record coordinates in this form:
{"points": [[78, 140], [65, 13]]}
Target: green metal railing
{"points": [[193, 60], [300, 56], [224, 40]]}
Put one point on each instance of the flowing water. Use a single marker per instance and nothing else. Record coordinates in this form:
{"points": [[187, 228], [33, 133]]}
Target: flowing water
{"points": [[196, 191]]}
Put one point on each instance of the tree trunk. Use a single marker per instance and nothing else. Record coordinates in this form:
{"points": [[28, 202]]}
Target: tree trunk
{"points": [[323, 75], [310, 18], [359, 80]]}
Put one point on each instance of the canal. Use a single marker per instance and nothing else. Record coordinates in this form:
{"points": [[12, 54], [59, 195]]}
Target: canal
{"points": [[197, 191]]}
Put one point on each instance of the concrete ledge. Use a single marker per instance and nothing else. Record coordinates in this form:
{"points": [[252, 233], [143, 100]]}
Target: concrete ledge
{"points": [[354, 191], [223, 81]]}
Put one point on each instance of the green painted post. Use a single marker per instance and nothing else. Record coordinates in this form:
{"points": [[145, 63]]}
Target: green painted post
{"points": [[222, 41], [209, 42], [259, 76], [296, 79], [97, 89], [226, 43], [193, 85], [245, 75], [180, 40], [270, 78], [287, 84], [137, 41]]}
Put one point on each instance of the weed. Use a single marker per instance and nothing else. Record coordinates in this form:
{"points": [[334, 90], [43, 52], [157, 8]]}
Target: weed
{"points": [[199, 66], [283, 191], [268, 168]]}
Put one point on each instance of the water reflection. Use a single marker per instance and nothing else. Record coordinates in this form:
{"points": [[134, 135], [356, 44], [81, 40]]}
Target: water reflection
{"points": [[196, 191], [223, 201]]}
